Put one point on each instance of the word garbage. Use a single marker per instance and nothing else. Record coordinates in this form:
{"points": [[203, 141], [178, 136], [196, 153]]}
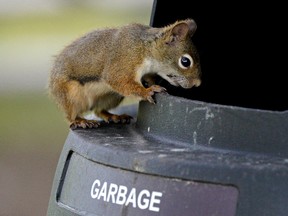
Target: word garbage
{"points": [[119, 194]]}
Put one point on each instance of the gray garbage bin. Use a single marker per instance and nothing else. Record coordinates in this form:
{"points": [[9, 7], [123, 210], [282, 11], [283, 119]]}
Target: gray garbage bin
{"points": [[220, 149]]}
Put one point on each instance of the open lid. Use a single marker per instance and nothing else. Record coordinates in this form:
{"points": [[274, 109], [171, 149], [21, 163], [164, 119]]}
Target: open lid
{"points": [[242, 50]]}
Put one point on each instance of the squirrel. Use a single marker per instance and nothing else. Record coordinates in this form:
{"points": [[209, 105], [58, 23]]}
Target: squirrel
{"points": [[96, 71]]}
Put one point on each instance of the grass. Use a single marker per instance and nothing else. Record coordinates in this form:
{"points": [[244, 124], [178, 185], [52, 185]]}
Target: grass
{"points": [[30, 121]]}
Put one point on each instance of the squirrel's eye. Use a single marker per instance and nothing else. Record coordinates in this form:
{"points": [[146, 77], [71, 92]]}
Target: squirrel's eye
{"points": [[185, 61]]}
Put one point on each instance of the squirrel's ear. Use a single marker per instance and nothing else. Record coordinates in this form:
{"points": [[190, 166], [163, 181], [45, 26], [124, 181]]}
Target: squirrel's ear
{"points": [[192, 26], [181, 29]]}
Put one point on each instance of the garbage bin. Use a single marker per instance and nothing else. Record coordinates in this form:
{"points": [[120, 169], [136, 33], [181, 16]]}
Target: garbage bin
{"points": [[220, 149]]}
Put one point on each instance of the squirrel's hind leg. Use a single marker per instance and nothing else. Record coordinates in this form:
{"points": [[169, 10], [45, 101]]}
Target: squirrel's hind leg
{"points": [[83, 123], [107, 102], [79, 122]]}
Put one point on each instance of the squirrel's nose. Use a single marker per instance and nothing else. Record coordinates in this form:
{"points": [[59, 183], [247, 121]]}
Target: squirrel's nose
{"points": [[196, 82], [191, 83]]}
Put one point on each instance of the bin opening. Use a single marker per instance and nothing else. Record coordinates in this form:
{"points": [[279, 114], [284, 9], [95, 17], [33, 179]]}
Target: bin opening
{"points": [[241, 50]]}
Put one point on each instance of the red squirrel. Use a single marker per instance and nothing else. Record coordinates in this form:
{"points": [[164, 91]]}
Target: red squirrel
{"points": [[96, 71]]}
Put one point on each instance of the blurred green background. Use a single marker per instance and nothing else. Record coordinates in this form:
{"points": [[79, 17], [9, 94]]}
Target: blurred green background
{"points": [[32, 129]]}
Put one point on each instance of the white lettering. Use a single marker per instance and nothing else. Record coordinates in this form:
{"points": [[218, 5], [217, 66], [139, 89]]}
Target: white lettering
{"points": [[121, 197], [103, 192], [131, 198], [95, 191], [154, 200], [145, 203], [112, 192]]}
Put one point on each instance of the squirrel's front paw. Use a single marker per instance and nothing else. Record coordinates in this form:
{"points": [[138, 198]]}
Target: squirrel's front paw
{"points": [[152, 90]]}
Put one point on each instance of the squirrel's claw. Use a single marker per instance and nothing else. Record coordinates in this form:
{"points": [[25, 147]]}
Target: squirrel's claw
{"points": [[152, 90], [83, 123], [151, 100], [157, 89], [123, 119]]}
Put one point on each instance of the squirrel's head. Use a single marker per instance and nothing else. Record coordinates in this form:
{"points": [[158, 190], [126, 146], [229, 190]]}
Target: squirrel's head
{"points": [[180, 64]]}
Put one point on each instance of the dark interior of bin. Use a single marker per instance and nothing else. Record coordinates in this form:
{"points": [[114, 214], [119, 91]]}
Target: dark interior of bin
{"points": [[242, 49]]}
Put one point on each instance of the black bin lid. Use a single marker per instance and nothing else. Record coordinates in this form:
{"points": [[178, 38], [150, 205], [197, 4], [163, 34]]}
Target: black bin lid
{"points": [[242, 51]]}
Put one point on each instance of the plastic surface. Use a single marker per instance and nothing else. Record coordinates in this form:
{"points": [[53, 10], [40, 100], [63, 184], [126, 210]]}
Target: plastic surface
{"points": [[145, 149]]}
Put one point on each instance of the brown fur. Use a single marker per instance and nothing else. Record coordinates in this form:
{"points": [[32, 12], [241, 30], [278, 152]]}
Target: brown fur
{"points": [[96, 71]]}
